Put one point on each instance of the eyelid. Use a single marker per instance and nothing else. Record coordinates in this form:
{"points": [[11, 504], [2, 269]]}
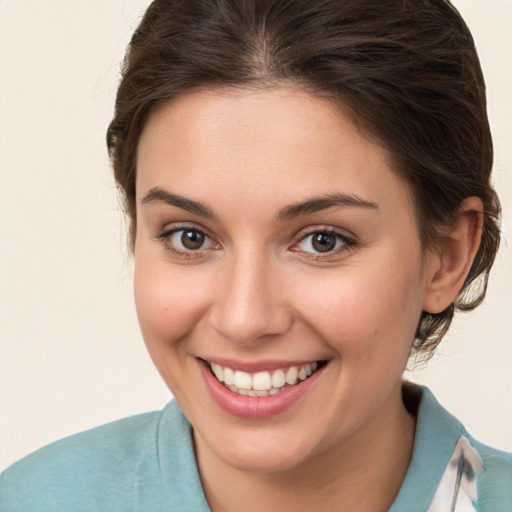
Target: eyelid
{"points": [[164, 236], [172, 227], [324, 228], [349, 241]]}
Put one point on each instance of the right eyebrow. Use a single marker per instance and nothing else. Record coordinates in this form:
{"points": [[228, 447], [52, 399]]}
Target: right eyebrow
{"points": [[159, 195]]}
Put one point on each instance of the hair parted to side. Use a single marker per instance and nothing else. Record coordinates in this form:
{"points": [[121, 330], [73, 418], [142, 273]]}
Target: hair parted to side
{"points": [[407, 71]]}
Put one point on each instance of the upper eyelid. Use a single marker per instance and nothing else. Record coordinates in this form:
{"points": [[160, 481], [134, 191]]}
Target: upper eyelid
{"points": [[346, 240], [305, 232], [164, 237], [181, 226], [164, 234], [349, 243]]}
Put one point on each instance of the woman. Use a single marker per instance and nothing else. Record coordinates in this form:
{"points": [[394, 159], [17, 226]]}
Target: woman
{"points": [[308, 189]]}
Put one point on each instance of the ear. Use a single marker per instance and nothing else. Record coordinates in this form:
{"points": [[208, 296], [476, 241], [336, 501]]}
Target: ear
{"points": [[449, 263]]}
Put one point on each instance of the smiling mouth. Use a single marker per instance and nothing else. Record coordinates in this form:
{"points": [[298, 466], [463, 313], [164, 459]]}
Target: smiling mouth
{"points": [[265, 383]]}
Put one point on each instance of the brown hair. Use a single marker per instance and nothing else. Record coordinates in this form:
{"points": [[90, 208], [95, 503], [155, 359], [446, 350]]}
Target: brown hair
{"points": [[406, 70]]}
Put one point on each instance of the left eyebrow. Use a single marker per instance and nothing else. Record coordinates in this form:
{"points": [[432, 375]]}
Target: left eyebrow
{"points": [[316, 204]]}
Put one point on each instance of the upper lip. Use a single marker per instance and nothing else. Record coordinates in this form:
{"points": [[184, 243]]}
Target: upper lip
{"points": [[257, 366]]}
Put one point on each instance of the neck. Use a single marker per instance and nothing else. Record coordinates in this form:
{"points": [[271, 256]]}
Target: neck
{"points": [[364, 473]]}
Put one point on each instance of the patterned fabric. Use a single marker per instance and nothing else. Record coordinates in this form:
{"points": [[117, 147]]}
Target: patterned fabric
{"points": [[457, 491]]}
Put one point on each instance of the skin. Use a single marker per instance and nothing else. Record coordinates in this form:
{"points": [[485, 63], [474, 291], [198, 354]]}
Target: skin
{"points": [[258, 291]]}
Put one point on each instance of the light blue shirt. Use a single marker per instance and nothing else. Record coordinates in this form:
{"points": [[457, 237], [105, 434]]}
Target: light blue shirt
{"points": [[146, 463]]}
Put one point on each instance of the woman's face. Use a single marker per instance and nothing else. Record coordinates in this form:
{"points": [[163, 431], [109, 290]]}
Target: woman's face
{"points": [[273, 240]]}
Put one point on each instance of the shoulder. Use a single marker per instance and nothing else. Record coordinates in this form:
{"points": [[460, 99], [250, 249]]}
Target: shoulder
{"points": [[61, 475], [489, 476], [449, 465], [495, 480]]}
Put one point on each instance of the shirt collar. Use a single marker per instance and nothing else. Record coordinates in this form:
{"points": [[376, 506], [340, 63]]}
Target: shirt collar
{"points": [[437, 433]]}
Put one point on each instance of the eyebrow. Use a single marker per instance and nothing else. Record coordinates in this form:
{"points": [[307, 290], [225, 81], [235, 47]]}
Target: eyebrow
{"points": [[159, 195], [315, 204]]}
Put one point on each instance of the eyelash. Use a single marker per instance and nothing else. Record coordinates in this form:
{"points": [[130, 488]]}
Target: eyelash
{"points": [[347, 243], [165, 238]]}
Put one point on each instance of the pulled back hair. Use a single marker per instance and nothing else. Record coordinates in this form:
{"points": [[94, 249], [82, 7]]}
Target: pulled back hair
{"points": [[406, 71]]}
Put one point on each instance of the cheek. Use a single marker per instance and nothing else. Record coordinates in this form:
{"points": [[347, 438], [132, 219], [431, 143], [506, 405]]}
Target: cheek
{"points": [[366, 314], [168, 303]]}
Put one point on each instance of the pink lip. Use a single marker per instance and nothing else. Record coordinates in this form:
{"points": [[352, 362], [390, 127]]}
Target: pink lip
{"points": [[255, 407]]}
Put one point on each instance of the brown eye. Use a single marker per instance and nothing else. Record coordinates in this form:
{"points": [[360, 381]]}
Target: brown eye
{"points": [[326, 242], [323, 242], [192, 240], [183, 242]]}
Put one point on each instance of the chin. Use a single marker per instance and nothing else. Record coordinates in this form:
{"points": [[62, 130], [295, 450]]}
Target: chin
{"points": [[272, 448], [263, 457]]}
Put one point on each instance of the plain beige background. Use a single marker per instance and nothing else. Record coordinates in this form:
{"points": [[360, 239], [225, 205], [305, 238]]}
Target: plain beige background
{"points": [[71, 353]]}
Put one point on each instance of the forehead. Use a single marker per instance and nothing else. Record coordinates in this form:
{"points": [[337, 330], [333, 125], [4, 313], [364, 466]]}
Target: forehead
{"points": [[250, 142]]}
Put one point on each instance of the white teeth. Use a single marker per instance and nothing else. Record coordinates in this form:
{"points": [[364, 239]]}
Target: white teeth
{"points": [[262, 383], [243, 380], [229, 376], [218, 371], [291, 375], [278, 380], [252, 392]]}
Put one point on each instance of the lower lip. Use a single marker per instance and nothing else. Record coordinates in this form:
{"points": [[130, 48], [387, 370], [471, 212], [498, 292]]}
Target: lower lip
{"points": [[243, 406]]}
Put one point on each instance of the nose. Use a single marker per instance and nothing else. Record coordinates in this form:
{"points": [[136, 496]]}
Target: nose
{"points": [[250, 304]]}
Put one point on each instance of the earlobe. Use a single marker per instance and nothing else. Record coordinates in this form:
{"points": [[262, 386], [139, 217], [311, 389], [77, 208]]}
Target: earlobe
{"points": [[450, 262]]}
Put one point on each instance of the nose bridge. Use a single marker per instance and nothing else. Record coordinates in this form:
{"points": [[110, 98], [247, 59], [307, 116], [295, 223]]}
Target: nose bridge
{"points": [[250, 305]]}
